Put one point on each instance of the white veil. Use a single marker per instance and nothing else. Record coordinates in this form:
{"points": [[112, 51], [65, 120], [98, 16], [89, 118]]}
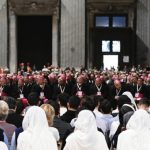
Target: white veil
{"points": [[129, 95], [3, 146], [36, 135], [139, 121], [137, 135], [86, 136]]}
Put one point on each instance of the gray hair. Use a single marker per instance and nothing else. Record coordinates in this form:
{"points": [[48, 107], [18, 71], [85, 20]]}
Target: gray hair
{"points": [[3, 110]]}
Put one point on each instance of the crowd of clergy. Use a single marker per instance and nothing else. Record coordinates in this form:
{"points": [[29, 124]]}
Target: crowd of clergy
{"points": [[68, 109]]}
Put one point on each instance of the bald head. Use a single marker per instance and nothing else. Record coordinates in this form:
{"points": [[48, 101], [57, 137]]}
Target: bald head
{"points": [[117, 84], [80, 79], [98, 81]]}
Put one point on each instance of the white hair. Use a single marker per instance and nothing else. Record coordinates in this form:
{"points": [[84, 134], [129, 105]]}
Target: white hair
{"points": [[3, 110]]}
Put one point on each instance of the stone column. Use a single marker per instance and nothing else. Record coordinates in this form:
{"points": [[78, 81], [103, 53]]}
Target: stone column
{"points": [[72, 33], [3, 33], [13, 44], [143, 32], [55, 39], [90, 26]]}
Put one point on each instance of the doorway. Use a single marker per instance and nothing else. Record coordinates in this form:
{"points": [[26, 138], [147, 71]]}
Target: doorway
{"points": [[34, 40], [113, 42], [110, 61]]}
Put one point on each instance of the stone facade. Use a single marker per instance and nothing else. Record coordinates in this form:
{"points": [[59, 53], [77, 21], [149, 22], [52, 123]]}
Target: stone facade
{"points": [[72, 33], [3, 33], [143, 32], [27, 8]]}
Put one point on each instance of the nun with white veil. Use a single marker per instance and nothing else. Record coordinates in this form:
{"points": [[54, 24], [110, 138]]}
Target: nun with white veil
{"points": [[137, 135], [86, 136], [130, 96], [36, 134], [3, 146]]}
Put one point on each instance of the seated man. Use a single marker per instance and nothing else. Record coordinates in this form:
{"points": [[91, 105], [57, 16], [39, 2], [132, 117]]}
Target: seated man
{"points": [[8, 128], [73, 105]]}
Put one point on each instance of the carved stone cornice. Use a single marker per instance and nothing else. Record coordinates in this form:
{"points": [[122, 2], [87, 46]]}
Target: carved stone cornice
{"points": [[110, 6], [31, 7]]}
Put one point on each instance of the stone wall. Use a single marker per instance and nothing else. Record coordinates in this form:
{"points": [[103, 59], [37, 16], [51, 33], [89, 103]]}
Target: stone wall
{"points": [[3, 33], [13, 42], [72, 33], [143, 32], [55, 40]]}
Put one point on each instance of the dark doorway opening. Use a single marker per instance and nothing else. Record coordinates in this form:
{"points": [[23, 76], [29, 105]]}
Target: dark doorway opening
{"points": [[127, 46], [34, 40]]}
